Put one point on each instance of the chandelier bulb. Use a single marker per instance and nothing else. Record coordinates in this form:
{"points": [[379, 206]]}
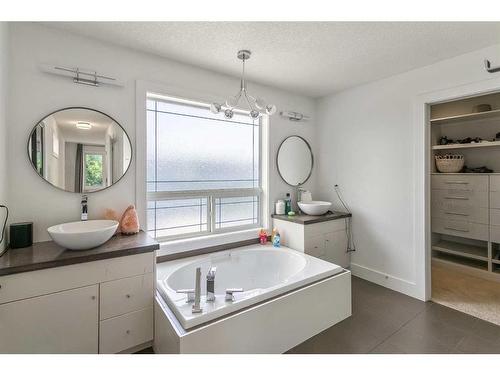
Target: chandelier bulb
{"points": [[260, 103], [254, 113], [228, 114], [215, 108], [271, 109]]}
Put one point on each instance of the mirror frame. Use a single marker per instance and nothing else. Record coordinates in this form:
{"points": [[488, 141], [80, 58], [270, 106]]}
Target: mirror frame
{"points": [[90, 109], [312, 160]]}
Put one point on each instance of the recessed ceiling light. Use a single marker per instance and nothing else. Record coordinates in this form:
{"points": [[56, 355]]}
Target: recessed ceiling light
{"points": [[83, 125]]}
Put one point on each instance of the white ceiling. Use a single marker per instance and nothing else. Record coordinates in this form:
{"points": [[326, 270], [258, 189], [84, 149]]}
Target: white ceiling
{"points": [[311, 58]]}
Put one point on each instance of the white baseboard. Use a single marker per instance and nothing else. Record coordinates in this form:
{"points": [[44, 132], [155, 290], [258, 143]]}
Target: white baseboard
{"points": [[388, 281]]}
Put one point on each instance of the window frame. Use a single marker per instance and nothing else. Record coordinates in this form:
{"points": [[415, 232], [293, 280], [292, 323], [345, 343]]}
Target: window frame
{"points": [[209, 194]]}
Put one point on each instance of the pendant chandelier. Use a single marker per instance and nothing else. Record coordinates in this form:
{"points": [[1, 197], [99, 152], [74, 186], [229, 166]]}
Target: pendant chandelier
{"points": [[256, 106]]}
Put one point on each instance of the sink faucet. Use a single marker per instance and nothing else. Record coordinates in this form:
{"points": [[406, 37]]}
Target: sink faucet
{"points": [[299, 197], [84, 216], [211, 284], [197, 292]]}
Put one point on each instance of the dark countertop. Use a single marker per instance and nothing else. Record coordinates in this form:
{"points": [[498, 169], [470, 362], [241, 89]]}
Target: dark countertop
{"points": [[308, 219], [48, 254]]}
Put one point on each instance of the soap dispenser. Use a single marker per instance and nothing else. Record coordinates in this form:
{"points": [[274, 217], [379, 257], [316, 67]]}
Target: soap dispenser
{"points": [[288, 204]]}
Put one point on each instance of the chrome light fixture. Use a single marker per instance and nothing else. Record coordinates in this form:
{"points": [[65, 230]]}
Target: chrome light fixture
{"points": [[256, 106]]}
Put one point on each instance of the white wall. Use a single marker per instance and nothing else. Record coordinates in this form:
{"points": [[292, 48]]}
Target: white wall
{"points": [[3, 122], [35, 94], [366, 145]]}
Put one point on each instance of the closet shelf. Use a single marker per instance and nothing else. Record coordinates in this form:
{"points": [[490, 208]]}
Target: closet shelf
{"points": [[463, 262], [466, 117], [462, 250], [466, 145]]}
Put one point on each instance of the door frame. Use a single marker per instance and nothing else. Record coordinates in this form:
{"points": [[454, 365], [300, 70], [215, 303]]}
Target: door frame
{"points": [[421, 177]]}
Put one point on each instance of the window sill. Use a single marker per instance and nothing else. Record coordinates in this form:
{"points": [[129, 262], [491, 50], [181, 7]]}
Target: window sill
{"points": [[170, 248]]}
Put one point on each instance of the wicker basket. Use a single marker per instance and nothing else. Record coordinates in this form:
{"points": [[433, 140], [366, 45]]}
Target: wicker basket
{"points": [[449, 163]]}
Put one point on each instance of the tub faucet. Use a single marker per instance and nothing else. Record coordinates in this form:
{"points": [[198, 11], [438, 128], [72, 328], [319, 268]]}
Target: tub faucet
{"points": [[211, 284], [84, 213], [197, 292]]}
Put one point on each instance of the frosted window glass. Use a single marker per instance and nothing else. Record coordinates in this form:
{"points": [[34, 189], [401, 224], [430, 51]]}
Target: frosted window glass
{"points": [[236, 211], [180, 216], [189, 148]]}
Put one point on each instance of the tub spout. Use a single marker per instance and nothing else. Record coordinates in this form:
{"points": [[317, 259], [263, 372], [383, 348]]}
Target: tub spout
{"points": [[197, 292], [211, 284]]}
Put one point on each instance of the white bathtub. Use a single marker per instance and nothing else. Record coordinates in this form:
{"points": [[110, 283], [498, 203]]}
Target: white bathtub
{"points": [[262, 271]]}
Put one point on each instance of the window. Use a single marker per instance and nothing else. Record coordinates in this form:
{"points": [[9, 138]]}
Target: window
{"points": [[93, 168], [203, 171]]}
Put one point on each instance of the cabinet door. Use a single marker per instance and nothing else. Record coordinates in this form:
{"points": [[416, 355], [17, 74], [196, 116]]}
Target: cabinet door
{"points": [[64, 322], [336, 248], [315, 246]]}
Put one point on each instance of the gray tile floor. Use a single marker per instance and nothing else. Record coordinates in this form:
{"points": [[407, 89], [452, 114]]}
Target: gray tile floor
{"points": [[384, 321]]}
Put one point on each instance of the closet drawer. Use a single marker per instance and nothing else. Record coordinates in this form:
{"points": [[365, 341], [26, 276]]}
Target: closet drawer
{"points": [[126, 295], [315, 246], [459, 210], [495, 183], [495, 233], [463, 198], [494, 217], [462, 228], [459, 182], [494, 199], [126, 331]]}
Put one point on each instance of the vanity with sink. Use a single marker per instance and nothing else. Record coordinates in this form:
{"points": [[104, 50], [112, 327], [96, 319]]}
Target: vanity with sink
{"points": [[53, 300], [315, 231]]}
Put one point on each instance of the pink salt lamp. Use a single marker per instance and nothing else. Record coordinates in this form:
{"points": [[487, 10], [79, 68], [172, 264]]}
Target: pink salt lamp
{"points": [[129, 223]]}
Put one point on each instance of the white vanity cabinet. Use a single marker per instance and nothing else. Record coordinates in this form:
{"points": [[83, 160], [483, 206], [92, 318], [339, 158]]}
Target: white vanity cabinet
{"points": [[62, 322], [326, 240], [103, 306]]}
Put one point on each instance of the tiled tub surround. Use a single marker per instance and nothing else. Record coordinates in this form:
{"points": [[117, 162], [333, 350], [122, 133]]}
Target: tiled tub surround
{"points": [[288, 297], [94, 301]]}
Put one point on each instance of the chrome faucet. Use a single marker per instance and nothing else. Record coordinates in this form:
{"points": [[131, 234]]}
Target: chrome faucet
{"points": [[84, 212], [300, 190], [197, 292], [211, 284]]}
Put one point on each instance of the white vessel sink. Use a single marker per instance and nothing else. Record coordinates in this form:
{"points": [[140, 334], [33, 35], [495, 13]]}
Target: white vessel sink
{"points": [[315, 208], [83, 235]]}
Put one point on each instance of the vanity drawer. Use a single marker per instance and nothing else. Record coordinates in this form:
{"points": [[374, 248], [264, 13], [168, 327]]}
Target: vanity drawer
{"points": [[126, 295], [324, 227], [462, 228], [460, 198], [126, 331], [315, 246], [35, 283], [460, 182]]}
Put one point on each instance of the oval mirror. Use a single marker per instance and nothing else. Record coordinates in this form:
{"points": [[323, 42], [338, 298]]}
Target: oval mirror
{"points": [[295, 160], [79, 150]]}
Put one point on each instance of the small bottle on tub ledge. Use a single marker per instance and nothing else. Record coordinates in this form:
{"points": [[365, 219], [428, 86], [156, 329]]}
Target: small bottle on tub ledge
{"points": [[276, 238], [262, 236]]}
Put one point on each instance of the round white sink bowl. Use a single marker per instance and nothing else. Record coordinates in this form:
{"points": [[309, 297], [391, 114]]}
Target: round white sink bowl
{"points": [[83, 235], [315, 208]]}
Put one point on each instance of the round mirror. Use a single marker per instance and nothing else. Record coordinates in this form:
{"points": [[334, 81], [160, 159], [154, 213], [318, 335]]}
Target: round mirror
{"points": [[295, 160], [79, 150]]}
